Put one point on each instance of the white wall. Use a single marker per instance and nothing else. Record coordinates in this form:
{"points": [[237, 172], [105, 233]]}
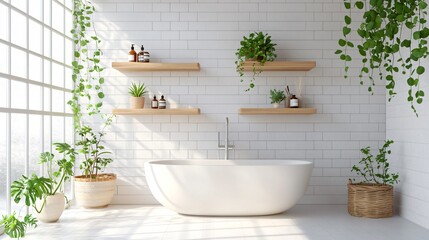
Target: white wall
{"points": [[209, 32], [410, 155]]}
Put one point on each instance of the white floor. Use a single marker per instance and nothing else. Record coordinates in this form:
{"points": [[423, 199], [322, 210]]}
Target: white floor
{"points": [[317, 222]]}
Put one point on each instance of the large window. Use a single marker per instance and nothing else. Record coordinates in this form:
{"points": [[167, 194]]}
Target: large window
{"points": [[35, 84]]}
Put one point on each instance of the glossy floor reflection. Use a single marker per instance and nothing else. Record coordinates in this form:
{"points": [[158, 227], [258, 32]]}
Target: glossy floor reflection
{"points": [[303, 222]]}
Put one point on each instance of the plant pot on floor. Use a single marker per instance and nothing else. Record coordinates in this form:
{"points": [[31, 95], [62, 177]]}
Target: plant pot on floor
{"points": [[52, 209], [91, 192], [137, 102], [370, 200]]}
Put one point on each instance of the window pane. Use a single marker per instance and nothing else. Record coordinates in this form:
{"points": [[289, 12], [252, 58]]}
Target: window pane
{"points": [[68, 52], [19, 30], [58, 15], [35, 147], [4, 19], [47, 133], [18, 63], [47, 12], [69, 130], [35, 9], [4, 58], [47, 72], [69, 81], [35, 96], [20, 4], [36, 34], [69, 23], [46, 99], [57, 129], [58, 51], [68, 96], [19, 95], [35, 68], [57, 75], [4, 93], [3, 163], [47, 42], [18, 148], [58, 104]]}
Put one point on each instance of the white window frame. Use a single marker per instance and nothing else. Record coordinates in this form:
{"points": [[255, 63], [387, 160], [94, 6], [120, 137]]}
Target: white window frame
{"points": [[9, 111]]}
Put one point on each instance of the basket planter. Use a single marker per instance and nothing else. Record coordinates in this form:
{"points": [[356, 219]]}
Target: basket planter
{"points": [[137, 102], [370, 200], [95, 192]]}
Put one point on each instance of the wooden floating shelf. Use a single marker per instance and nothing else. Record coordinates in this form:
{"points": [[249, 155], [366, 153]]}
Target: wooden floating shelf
{"points": [[149, 111], [150, 67], [280, 66], [276, 111]]}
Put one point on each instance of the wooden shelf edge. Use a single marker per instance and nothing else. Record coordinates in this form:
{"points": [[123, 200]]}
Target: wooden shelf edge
{"points": [[277, 111], [148, 67], [148, 111], [280, 66]]}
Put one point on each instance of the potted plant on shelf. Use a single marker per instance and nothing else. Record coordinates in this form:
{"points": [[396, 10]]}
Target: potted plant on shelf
{"points": [[373, 197], [256, 48], [137, 92], [44, 194], [277, 96]]}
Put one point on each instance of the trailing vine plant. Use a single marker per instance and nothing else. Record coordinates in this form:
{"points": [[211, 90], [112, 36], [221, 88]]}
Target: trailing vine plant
{"points": [[86, 65], [393, 43]]}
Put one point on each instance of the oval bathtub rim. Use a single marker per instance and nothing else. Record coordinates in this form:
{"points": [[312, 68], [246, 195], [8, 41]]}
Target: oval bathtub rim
{"points": [[222, 162]]}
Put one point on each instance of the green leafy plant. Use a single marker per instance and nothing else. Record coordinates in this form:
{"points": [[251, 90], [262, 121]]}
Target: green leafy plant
{"points": [[376, 170], [16, 228], [277, 96], [93, 152], [137, 90], [256, 47], [393, 43], [33, 188]]}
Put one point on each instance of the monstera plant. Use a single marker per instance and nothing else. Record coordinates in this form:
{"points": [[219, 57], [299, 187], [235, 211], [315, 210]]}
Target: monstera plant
{"points": [[393, 43]]}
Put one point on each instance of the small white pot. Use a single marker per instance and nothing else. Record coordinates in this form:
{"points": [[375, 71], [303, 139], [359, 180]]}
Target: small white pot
{"points": [[276, 105], [95, 193], [54, 207], [136, 102], [1, 229]]}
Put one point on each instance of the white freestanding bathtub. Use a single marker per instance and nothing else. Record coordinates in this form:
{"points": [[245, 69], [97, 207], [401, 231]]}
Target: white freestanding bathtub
{"points": [[228, 187]]}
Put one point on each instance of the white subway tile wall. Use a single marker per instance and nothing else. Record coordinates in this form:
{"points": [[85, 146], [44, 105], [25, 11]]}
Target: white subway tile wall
{"points": [[209, 32], [410, 152]]}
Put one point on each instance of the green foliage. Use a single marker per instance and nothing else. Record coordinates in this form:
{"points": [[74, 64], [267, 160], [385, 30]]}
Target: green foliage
{"points": [[93, 152], [277, 96], [86, 64], [257, 47], [376, 170], [137, 90], [393, 43], [16, 228]]}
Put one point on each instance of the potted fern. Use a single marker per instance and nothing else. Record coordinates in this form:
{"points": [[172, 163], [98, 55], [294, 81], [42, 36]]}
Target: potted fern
{"points": [[137, 92], [373, 196], [277, 96], [44, 194], [256, 49]]}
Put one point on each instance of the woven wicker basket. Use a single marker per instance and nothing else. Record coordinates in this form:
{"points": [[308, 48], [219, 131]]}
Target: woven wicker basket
{"points": [[370, 200]]}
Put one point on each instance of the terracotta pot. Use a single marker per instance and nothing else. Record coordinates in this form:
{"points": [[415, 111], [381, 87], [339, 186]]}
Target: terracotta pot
{"points": [[137, 102], [52, 209], [93, 192]]}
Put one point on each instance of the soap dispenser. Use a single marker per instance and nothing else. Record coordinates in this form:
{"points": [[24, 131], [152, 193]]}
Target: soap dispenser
{"points": [[162, 104], [132, 55], [140, 55], [154, 103]]}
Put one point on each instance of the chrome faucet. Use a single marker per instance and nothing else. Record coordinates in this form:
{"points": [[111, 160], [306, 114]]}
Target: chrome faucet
{"points": [[226, 145]]}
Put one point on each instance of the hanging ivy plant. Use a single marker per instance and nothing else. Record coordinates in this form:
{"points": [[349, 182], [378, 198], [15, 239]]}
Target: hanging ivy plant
{"points": [[393, 43], [86, 65]]}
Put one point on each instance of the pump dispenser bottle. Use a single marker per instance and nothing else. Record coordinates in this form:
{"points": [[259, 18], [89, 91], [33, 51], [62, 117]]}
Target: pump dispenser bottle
{"points": [[132, 55]]}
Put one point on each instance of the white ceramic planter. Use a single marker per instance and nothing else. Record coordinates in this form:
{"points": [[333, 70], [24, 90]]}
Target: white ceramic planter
{"points": [[137, 102], [53, 208], [276, 105], [93, 193], [1, 229]]}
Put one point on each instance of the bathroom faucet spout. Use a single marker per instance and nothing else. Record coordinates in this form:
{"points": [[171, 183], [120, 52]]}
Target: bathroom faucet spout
{"points": [[226, 145]]}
